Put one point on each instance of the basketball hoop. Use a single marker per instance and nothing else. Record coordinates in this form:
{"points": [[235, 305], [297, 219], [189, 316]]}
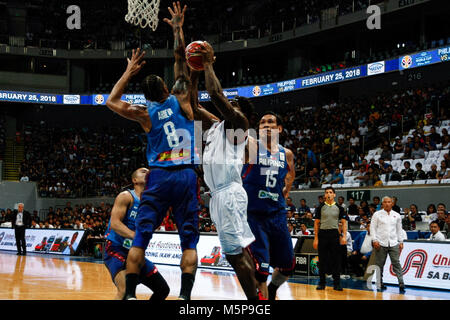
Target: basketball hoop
{"points": [[143, 13]]}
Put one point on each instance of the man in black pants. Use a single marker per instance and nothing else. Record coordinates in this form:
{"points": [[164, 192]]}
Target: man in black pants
{"points": [[21, 220], [327, 239]]}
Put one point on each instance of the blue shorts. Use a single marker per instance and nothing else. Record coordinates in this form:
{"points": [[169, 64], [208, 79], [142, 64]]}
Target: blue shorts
{"points": [[273, 244], [176, 188], [115, 259]]}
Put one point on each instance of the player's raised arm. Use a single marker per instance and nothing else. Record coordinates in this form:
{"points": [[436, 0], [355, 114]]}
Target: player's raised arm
{"points": [[176, 22], [290, 176], [118, 213], [200, 113], [123, 108], [214, 88]]}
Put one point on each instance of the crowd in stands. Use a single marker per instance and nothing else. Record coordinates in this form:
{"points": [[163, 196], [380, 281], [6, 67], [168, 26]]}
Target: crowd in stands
{"points": [[103, 23], [335, 142], [80, 162], [2, 136]]}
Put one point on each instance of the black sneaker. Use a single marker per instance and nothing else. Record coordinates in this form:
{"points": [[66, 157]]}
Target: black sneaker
{"points": [[401, 289], [320, 287], [337, 287]]}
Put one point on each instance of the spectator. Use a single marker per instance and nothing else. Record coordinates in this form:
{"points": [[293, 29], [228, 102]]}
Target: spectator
{"points": [[407, 173], [326, 177], [395, 207], [308, 220], [313, 181], [303, 208], [436, 234], [34, 225], [362, 250], [419, 174], [364, 221], [406, 153], [386, 154], [377, 181], [24, 178], [417, 152], [433, 173], [338, 177], [392, 175], [398, 146], [362, 177], [341, 202], [376, 203], [441, 218], [290, 205], [446, 229], [431, 212], [429, 144], [435, 137], [383, 165], [444, 172], [352, 209], [303, 230]]}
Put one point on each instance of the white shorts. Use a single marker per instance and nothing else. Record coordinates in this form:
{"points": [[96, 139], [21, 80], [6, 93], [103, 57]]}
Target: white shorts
{"points": [[228, 210]]}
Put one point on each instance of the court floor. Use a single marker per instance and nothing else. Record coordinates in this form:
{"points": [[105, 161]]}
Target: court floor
{"points": [[46, 277]]}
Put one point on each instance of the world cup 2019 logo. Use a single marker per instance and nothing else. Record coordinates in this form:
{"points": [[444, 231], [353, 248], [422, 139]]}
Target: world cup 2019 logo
{"points": [[416, 259], [406, 62]]}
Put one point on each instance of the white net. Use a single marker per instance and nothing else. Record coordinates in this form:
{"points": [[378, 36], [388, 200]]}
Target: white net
{"points": [[143, 13]]}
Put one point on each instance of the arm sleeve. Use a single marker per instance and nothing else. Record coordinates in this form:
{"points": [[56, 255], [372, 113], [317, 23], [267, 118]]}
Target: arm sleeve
{"points": [[318, 212], [342, 214]]}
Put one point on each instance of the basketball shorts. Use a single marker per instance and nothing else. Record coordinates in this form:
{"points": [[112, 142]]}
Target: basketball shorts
{"points": [[273, 244], [173, 187], [115, 258], [228, 209]]}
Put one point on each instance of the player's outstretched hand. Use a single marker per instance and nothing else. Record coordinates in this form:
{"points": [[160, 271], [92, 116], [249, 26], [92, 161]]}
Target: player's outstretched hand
{"points": [[207, 53], [136, 62], [177, 15]]}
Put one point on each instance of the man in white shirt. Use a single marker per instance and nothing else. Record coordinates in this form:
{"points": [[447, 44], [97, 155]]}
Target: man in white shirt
{"points": [[436, 234], [386, 231]]}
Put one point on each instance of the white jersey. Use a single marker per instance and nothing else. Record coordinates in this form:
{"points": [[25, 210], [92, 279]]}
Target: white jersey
{"points": [[222, 160]]}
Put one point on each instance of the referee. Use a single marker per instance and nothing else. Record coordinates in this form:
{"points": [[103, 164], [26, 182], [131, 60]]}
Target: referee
{"points": [[327, 238]]}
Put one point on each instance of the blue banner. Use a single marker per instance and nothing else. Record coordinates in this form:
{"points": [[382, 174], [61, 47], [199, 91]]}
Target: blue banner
{"points": [[402, 63]]}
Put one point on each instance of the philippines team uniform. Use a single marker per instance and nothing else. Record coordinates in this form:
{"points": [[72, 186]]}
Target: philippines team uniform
{"points": [[117, 247], [172, 181], [264, 182], [222, 166]]}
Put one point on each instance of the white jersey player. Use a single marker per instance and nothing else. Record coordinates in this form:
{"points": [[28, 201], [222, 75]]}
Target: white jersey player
{"points": [[223, 160]]}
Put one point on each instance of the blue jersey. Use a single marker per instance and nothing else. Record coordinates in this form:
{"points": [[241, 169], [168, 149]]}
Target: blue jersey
{"points": [[128, 220], [264, 181], [170, 141]]}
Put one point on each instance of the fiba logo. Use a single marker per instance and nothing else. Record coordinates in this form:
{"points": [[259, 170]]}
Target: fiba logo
{"points": [[416, 259], [406, 62], [256, 91], [99, 99]]}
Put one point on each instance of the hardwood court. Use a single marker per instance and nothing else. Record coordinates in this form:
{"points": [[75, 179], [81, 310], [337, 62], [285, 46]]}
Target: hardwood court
{"points": [[35, 277]]}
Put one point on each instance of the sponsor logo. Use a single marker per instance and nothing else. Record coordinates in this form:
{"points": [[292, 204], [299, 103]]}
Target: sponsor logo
{"points": [[256, 91], [375, 68], [444, 57], [71, 99], [267, 195], [99, 99], [406, 62], [416, 259]]}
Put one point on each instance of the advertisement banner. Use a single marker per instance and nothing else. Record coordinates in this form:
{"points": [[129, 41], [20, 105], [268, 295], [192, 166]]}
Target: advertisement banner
{"points": [[165, 248], [424, 264], [422, 59], [55, 241], [376, 68]]}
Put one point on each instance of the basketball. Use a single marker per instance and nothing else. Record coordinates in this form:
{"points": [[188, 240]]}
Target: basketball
{"points": [[194, 59]]}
